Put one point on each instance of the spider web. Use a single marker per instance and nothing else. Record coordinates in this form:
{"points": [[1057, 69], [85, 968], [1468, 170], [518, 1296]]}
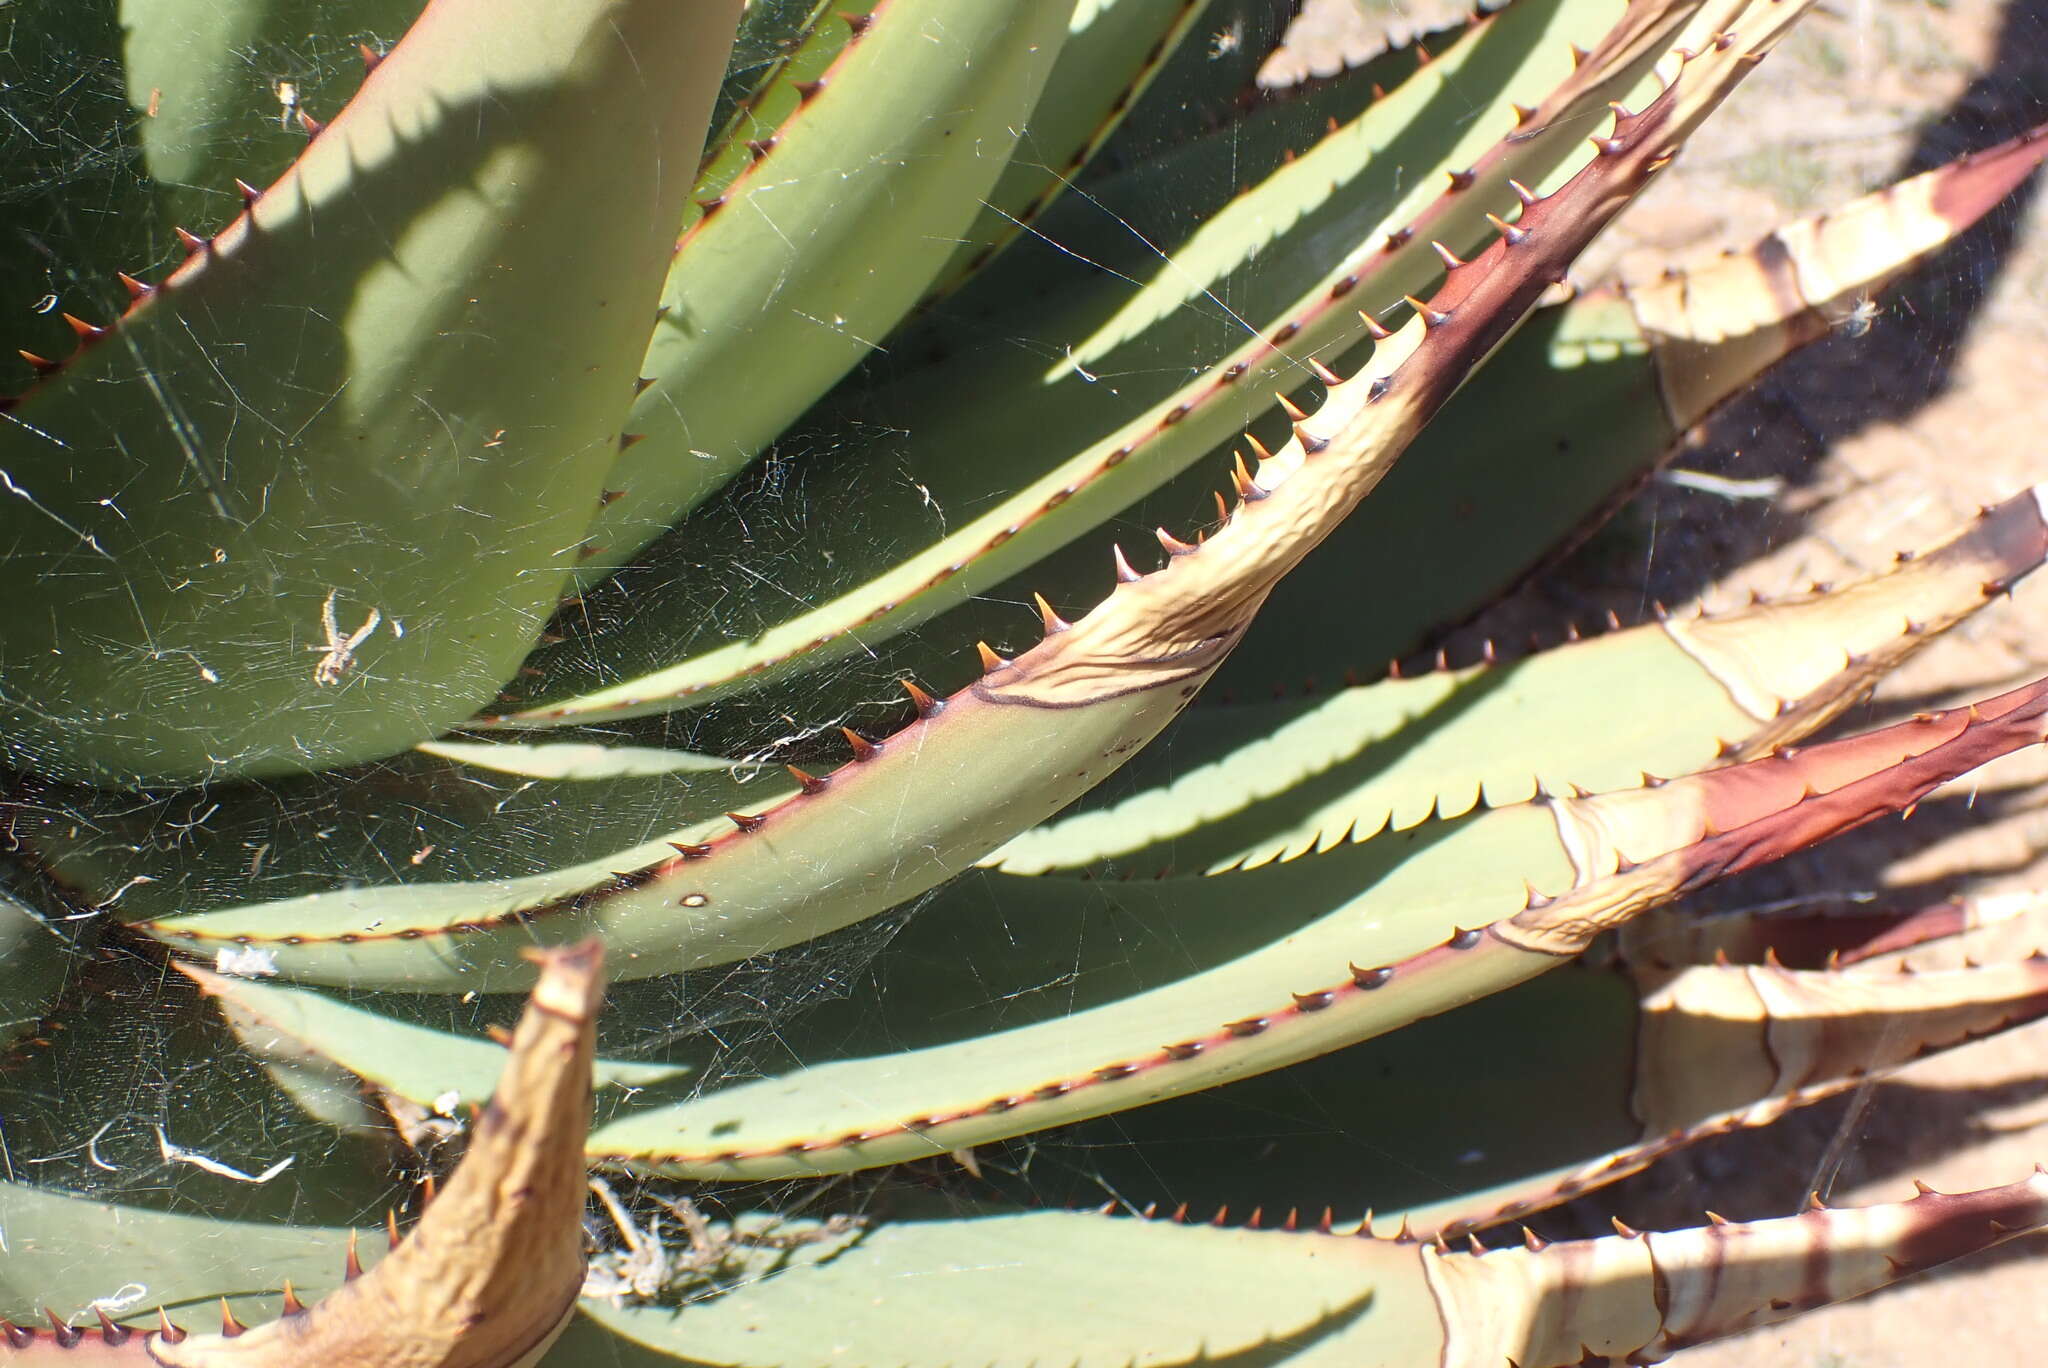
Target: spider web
{"points": [[143, 1097]]}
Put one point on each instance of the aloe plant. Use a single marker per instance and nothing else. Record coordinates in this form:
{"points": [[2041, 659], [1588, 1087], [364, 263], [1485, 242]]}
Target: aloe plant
{"points": [[457, 527]]}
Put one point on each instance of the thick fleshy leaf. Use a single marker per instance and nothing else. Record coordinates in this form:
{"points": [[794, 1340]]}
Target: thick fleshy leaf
{"points": [[1251, 783], [1035, 731], [433, 379], [1031, 443], [1531, 1097], [486, 1279], [1043, 1287], [1113, 51], [1421, 921], [188, 68], [322, 1044], [69, 1253], [1602, 390], [834, 223], [1648, 1296]]}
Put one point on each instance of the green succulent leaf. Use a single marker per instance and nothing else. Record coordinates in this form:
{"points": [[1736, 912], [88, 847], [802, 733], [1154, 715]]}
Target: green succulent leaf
{"points": [[295, 1029], [385, 397], [1113, 51], [69, 1253], [1045, 439], [1001, 1290], [838, 223], [1377, 935], [1603, 389], [1251, 783]]}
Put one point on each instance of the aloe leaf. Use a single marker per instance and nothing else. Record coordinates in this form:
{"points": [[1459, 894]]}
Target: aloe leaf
{"points": [[442, 398], [127, 121], [1114, 49], [486, 1279], [218, 88], [350, 1049], [1645, 1296], [1035, 731], [1602, 389], [459, 831], [775, 37], [1025, 1288], [70, 1253], [1537, 1095], [819, 246], [1250, 783], [1036, 447], [1421, 920]]}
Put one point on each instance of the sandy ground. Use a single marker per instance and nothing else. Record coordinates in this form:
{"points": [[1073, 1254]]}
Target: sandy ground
{"points": [[1881, 442]]}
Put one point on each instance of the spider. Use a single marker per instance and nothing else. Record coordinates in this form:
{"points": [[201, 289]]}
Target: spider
{"points": [[340, 651]]}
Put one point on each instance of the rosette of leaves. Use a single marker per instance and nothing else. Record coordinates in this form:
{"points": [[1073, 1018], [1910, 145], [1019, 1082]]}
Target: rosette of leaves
{"points": [[462, 511]]}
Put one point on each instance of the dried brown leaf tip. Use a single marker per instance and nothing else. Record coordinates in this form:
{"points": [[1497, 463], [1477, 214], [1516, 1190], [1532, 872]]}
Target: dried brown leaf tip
{"points": [[490, 1275]]}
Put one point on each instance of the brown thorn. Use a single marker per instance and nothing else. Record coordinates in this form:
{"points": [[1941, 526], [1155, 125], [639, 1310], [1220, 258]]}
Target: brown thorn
{"points": [[391, 1227], [43, 364], [229, 1326], [85, 331], [353, 1268], [1715, 1218], [1814, 1203], [746, 821], [310, 126], [806, 91], [1324, 373], [1295, 412], [689, 851], [371, 57], [1247, 488], [292, 1305], [1523, 113], [810, 783], [863, 749], [927, 706], [1523, 192], [1376, 330], [1451, 260], [1124, 573], [1174, 545], [990, 661], [168, 1330], [191, 242], [1513, 236], [135, 288], [1533, 1242], [1431, 318], [1053, 621], [1626, 1232], [1258, 448], [250, 194], [67, 1334]]}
